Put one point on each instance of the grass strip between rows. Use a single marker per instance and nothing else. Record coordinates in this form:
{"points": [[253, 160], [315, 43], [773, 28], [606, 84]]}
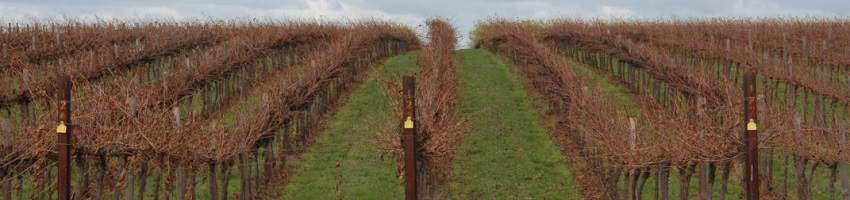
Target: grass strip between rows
{"points": [[346, 161], [507, 153]]}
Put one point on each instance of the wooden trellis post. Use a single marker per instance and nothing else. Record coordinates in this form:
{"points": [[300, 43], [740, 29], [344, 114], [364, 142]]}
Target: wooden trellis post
{"points": [[844, 175], [409, 138], [64, 131], [751, 178], [180, 186], [6, 145]]}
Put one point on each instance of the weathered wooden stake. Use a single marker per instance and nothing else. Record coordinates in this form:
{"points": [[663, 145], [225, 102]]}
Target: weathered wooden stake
{"points": [[724, 180], [634, 174], [213, 184], [5, 185], [255, 172], [705, 178], [180, 186], [843, 174], [243, 177], [6, 144], [225, 180], [131, 180], [662, 181], [157, 181], [193, 184], [751, 178], [800, 162], [101, 175], [685, 174], [409, 138], [83, 178], [143, 180], [64, 131]]}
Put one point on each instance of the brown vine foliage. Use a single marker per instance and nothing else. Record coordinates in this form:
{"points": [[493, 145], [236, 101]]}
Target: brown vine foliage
{"points": [[29, 79], [804, 55], [132, 118], [592, 128], [436, 98]]}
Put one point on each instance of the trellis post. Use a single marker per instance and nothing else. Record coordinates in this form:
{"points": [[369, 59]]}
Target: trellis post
{"points": [[64, 131], [409, 138], [751, 178]]}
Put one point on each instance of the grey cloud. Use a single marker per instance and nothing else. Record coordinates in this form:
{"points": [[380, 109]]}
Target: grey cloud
{"points": [[463, 13]]}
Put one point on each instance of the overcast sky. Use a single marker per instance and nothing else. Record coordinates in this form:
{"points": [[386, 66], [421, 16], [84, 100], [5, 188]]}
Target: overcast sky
{"points": [[462, 13]]}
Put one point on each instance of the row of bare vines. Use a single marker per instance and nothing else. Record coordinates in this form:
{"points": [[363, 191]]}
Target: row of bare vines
{"points": [[800, 70], [175, 127], [436, 107], [562, 89], [25, 80], [689, 112]]}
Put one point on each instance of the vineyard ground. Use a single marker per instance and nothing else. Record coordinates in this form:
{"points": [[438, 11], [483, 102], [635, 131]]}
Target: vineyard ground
{"points": [[506, 153], [347, 161], [820, 181]]}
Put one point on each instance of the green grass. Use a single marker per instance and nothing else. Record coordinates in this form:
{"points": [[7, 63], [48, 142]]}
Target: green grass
{"points": [[506, 153], [351, 141], [820, 182], [615, 94]]}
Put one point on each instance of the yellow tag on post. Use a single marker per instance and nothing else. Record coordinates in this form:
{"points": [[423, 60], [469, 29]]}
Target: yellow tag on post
{"points": [[752, 126], [62, 128], [408, 123]]}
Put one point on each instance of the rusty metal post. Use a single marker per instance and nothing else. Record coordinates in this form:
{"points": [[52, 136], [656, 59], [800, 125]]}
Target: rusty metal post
{"points": [[751, 177], [408, 139], [64, 131]]}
